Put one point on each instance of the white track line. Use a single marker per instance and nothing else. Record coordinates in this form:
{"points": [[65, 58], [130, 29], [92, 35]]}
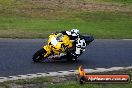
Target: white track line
{"points": [[61, 73]]}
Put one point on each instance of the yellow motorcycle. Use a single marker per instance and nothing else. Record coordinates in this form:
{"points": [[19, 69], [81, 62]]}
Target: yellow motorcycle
{"points": [[59, 47]]}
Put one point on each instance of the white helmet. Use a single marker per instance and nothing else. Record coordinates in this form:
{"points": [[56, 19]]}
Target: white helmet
{"points": [[75, 31]]}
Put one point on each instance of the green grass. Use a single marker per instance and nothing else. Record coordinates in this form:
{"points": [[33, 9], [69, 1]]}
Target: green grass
{"points": [[36, 80], [127, 2], [98, 24], [120, 1], [26, 19], [76, 85]]}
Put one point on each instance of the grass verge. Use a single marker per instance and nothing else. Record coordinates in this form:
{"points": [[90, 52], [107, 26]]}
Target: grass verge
{"points": [[63, 82], [99, 24], [37, 19], [127, 2]]}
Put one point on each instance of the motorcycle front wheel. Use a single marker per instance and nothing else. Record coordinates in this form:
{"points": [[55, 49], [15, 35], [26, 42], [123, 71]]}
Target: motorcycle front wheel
{"points": [[39, 55]]}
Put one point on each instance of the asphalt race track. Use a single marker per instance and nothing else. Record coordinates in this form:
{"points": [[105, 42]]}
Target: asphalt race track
{"points": [[16, 56]]}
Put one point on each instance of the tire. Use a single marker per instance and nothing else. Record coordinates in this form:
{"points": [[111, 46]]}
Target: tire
{"points": [[39, 55]]}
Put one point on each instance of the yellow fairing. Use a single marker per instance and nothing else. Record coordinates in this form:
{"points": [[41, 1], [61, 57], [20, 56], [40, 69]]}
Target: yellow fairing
{"points": [[67, 41], [56, 45]]}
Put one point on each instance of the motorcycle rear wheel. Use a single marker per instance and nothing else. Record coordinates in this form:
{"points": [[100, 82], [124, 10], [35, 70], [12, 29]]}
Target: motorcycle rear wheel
{"points": [[39, 55]]}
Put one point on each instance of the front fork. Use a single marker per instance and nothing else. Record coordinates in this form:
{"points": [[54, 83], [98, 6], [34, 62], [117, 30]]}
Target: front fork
{"points": [[48, 51]]}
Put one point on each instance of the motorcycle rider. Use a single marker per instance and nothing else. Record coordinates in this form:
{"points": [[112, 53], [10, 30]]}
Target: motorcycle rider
{"points": [[80, 43], [65, 44]]}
